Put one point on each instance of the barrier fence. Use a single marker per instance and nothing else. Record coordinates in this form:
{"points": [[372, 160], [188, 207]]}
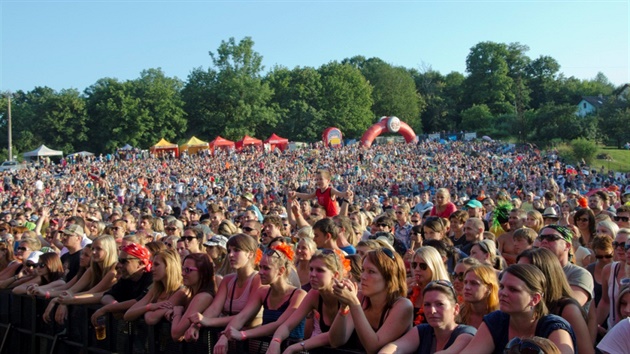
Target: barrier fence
{"points": [[22, 330]]}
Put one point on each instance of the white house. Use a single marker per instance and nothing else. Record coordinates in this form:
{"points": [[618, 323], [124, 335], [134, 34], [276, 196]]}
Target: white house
{"points": [[589, 105]]}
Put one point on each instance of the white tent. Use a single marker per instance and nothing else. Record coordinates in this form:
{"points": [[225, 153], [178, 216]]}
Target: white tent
{"points": [[81, 153], [43, 151]]}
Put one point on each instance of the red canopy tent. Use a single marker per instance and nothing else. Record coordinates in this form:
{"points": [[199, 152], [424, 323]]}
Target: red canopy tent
{"points": [[248, 141], [220, 142], [275, 141]]}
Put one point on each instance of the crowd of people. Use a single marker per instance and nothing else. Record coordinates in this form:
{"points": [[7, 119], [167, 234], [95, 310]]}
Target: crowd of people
{"points": [[472, 247]]}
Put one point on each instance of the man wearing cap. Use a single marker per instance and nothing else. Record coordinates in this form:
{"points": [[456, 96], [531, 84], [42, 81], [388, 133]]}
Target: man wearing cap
{"points": [[557, 239], [475, 210], [134, 265], [247, 201], [71, 238]]}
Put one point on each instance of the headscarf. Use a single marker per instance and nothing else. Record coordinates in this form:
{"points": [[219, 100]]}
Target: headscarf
{"points": [[140, 252]]}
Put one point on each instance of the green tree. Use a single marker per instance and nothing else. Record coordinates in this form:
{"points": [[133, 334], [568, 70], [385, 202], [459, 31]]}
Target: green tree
{"points": [[488, 81], [556, 122], [346, 99], [443, 98], [198, 103], [393, 90], [583, 149], [614, 120], [241, 97], [114, 111], [297, 96], [542, 76], [478, 118]]}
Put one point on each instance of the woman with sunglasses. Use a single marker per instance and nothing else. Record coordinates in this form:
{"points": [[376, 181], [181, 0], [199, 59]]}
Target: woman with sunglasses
{"points": [[441, 333], [165, 293], [235, 289], [458, 274], [278, 301], [603, 254], [97, 279], [47, 270], [558, 295], [200, 288], [480, 294], [326, 266], [57, 287], [24, 249], [612, 274], [427, 266], [522, 313], [382, 313], [584, 219]]}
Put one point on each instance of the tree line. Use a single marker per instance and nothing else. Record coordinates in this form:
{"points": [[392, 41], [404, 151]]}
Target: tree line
{"points": [[504, 93]]}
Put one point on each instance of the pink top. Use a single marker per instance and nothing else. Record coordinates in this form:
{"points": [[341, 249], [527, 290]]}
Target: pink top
{"points": [[450, 209]]}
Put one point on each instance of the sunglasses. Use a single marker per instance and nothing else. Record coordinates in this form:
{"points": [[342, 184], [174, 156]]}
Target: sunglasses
{"points": [[382, 225], [30, 265], [444, 283], [40, 265], [615, 244], [388, 253], [622, 218], [458, 276], [582, 219], [272, 252], [422, 266], [169, 245], [415, 221], [399, 212], [188, 270], [248, 229], [171, 228], [188, 238], [23, 249], [518, 346], [607, 256], [549, 238]]}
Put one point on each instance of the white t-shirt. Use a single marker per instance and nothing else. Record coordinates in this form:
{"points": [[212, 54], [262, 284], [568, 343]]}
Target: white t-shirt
{"points": [[39, 185], [616, 340]]}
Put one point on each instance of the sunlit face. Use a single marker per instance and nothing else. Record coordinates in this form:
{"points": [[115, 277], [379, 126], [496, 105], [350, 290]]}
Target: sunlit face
{"points": [[23, 251], [513, 295], [319, 238], [620, 252], [604, 256], [475, 290], [514, 221], [303, 253], [565, 208], [520, 244], [215, 219], [457, 225], [362, 250], [602, 230], [181, 249], [477, 253], [430, 234], [159, 269], [320, 276], [531, 222], [41, 269], [191, 277], [423, 276], [98, 253], [238, 258], [268, 271], [558, 246], [86, 257], [439, 310], [441, 198], [372, 281], [127, 265]]}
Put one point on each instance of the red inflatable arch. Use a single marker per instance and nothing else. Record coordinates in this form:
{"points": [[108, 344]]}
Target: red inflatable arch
{"points": [[388, 124]]}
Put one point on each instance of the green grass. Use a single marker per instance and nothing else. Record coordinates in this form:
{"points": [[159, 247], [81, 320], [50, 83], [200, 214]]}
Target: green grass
{"points": [[620, 159]]}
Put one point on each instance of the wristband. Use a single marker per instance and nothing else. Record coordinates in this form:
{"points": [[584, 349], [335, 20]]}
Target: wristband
{"points": [[344, 312], [276, 339], [243, 335], [47, 295]]}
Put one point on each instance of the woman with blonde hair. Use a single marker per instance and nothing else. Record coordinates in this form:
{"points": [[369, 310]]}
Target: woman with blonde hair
{"points": [[304, 250], [481, 294], [426, 266], [164, 294], [534, 220], [485, 251], [443, 206], [89, 289], [227, 228]]}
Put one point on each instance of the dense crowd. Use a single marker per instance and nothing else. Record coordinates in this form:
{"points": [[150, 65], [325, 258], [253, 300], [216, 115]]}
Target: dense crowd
{"points": [[473, 247]]}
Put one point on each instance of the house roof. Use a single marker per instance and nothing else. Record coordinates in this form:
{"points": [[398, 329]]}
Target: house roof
{"points": [[596, 101]]}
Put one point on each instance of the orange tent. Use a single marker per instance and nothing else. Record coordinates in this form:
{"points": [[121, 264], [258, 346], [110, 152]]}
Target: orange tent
{"points": [[248, 141], [275, 141], [220, 142], [163, 147]]}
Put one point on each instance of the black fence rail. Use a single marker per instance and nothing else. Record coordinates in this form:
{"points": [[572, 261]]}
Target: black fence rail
{"points": [[22, 330]]}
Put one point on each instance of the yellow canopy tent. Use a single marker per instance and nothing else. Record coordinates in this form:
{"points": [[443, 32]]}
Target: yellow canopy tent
{"points": [[194, 145], [164, 146]]}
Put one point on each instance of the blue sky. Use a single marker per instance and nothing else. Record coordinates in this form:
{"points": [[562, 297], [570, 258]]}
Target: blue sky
{"points": [[72, 44]]}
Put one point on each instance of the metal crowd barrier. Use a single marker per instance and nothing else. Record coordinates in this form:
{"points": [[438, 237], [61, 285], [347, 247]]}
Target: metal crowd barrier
{"points": [[22, 330]]}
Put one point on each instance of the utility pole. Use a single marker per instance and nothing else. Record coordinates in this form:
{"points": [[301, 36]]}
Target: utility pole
{"points": [[9, 128]]}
